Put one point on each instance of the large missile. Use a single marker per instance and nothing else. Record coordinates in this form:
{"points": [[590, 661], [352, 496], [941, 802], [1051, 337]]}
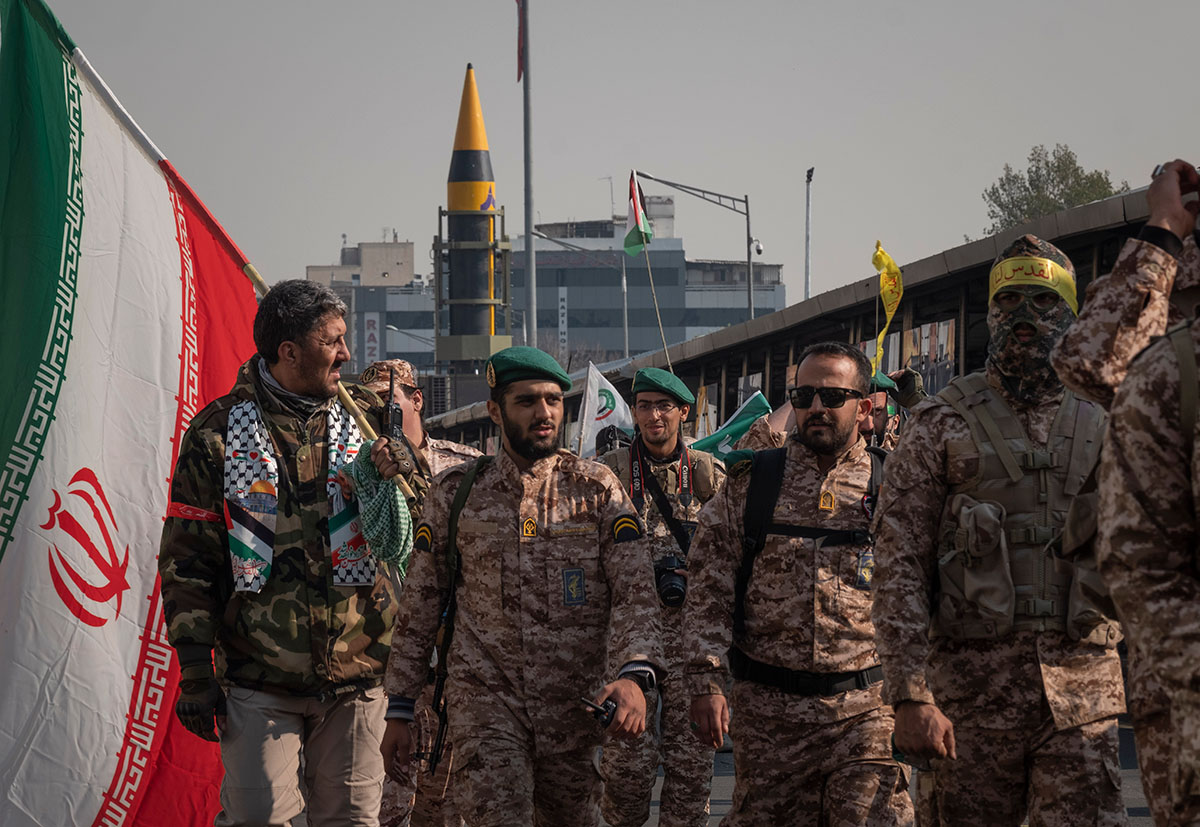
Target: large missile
{"points": [[471, 187]]}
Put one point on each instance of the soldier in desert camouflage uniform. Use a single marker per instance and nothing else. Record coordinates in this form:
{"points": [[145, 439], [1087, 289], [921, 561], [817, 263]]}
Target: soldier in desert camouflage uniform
{"points": [[1149, 499], [1152, 286], [1014, 688], [551, 586], [793, 626], [261, 563], [686, 479], [425, 800]]}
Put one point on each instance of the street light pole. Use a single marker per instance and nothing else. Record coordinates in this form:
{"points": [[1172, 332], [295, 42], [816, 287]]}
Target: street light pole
{"points": [[741, 206], [749, 261]]}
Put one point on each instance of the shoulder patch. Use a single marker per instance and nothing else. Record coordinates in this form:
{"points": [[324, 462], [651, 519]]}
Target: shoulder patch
{"points": [[738, 463], [627, 527], [423, 538]]}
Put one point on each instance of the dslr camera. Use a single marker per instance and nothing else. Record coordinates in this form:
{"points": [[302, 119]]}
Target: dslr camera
{"points": [[672, 586]]}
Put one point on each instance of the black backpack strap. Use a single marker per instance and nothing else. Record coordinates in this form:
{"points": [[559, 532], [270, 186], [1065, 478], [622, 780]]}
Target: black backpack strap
{"points": [[766, 479], [683, 538], [878, 457], [451, 607]]}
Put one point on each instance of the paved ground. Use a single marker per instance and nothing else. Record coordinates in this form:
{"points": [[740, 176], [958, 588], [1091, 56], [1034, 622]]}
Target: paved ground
{"points": [[1131, 786]]}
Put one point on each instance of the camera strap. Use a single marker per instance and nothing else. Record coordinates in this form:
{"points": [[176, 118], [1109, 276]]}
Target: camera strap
{"points": [[681, 533], [638, 473]]}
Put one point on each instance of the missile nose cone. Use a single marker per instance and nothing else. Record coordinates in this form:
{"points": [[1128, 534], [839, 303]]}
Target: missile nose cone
{"points": [[470, 133]]}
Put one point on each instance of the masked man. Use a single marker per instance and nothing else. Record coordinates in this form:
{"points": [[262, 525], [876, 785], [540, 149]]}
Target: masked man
{"points": [[997, 652], [668, 482]]}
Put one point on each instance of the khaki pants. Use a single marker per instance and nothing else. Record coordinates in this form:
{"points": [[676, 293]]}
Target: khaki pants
{"points": [[339, 739]]}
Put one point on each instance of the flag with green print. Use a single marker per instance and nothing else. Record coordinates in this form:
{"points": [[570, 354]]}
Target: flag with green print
{"points": [[601, 406], [123, 311], [638, 231]]}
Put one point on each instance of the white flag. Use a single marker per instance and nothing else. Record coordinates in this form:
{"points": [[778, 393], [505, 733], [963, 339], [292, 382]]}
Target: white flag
{"points": [[602, 406]]}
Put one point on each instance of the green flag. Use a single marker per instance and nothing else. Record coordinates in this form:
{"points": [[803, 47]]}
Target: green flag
{"points": [[721, 443], [638, 231]]}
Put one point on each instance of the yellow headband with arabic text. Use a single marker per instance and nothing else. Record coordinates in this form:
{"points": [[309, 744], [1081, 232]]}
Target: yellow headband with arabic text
{"points": [[1034, 272]]}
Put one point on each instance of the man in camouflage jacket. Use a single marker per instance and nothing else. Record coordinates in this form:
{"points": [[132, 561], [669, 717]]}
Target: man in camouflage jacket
{"points": [[1153, 286], [810, 728], [424, 799], [300, 629], [686, 480], [997, 653], [551, 587]]}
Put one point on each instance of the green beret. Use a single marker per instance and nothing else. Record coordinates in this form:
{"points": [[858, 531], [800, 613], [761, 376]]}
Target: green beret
{"points": [[882, 382], [516, 363], [662, 381]]}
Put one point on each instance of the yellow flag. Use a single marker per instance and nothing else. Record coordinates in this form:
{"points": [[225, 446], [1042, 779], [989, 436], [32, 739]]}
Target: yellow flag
{"points": [[891, 288]]}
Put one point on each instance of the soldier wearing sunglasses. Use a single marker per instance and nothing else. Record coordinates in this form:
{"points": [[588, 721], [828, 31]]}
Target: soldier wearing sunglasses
{"points": [[780, 602], [997, 641]]}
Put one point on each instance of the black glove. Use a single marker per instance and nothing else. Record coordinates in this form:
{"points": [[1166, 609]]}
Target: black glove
{"points": [[200, 698]]}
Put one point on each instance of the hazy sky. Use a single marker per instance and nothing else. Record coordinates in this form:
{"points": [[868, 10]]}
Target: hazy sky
{"points": [[299, 121]]}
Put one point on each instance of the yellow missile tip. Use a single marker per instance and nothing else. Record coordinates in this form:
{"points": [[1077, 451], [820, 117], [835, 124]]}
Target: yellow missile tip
{"points": [[470, 133]]}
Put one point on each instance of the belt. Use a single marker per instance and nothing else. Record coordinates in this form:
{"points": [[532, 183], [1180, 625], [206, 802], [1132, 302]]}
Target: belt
{"points": [[799, 682]]}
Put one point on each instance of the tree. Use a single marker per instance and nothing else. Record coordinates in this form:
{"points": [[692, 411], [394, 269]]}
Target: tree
{"points": [[1054, 181]]}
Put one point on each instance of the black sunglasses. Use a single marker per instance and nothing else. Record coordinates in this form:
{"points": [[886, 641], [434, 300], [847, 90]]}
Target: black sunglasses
{"points": [[802, 396]]}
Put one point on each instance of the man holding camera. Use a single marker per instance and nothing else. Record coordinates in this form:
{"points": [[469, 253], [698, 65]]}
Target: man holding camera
{"points": [[780, 597], [668, 482]]}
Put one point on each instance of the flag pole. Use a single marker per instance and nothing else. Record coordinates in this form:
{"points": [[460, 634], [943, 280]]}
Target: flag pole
{"points": [[654, 296]]}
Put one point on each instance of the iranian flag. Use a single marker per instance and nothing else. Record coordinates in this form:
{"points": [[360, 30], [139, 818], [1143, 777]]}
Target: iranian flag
{"points": [[638, 231], [123, 309]]}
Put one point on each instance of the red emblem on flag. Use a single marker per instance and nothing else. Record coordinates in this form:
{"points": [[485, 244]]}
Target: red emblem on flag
{"points": [[98, 540]]}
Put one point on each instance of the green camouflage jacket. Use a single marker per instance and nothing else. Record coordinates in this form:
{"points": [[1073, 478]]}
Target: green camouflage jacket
{"points": [[301, 634]]}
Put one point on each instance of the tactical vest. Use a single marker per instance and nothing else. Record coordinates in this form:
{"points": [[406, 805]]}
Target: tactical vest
{"points": [[997, 568]]}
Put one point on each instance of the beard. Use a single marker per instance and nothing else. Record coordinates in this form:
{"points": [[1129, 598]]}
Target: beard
{"points": [[1024, 368], [828, 442], [524, 444]]}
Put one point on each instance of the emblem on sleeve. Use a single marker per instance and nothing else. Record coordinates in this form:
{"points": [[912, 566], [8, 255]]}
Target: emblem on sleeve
{"points": [[529, 527], [826, 501], [626, 527], [865, 570], [423, 539], [574, 587]]}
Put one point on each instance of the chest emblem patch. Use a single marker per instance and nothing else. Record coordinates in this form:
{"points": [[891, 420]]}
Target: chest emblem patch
{"points": [[529, 527], [574, 587], [864, 571], [826, 501]]}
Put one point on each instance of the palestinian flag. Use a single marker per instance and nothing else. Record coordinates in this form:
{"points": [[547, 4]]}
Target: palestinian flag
{"points": [[123, 310], [638, 231]]}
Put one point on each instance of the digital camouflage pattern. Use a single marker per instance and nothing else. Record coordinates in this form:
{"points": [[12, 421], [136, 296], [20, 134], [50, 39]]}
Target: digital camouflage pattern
{"points": [[631, 767], [425, 801], [839, 773], [1017, 683], [1124, 311], [1062, 778], [808, 607], [1149, 496], [301, 634], [552, 588]]}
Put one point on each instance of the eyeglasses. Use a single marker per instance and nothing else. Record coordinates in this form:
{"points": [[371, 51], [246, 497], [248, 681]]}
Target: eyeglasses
{"points": [[802, 397], [1009, 300], [663, 408]]}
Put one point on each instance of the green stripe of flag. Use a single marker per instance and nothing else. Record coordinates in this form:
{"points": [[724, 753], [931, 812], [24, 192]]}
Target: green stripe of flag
{"points": [[41, 214]]}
